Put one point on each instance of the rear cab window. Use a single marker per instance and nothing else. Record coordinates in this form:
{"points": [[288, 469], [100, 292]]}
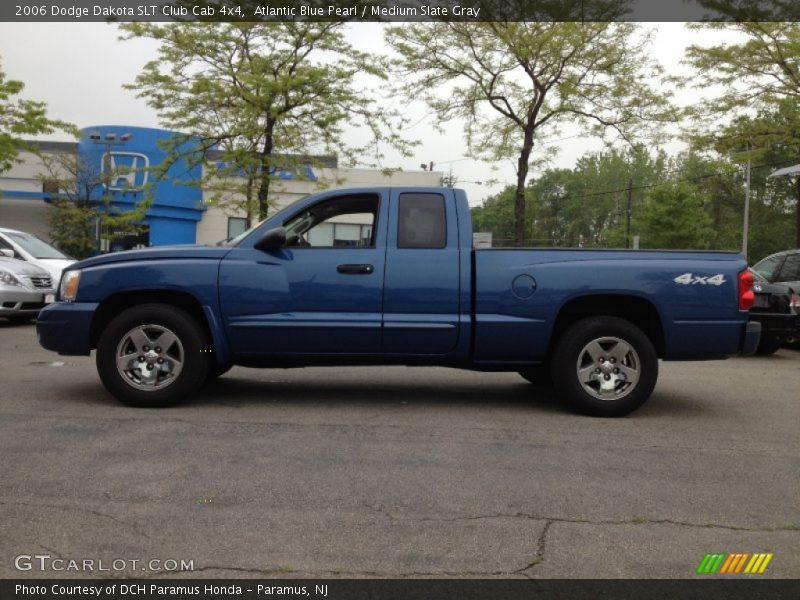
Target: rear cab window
{"points": [[421, 221]]}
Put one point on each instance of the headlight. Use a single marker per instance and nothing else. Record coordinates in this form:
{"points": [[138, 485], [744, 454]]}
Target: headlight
{"points": [[69, 286], [8, 279]]}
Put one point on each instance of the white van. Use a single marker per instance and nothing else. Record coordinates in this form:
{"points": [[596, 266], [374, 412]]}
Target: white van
{"points": [[35, 251]]}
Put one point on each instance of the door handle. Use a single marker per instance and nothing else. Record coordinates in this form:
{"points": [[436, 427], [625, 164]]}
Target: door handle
{"points": [[355, 269]]}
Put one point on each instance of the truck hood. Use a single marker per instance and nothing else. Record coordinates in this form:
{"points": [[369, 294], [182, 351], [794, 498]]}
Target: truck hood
{"points": [[187, 251]]}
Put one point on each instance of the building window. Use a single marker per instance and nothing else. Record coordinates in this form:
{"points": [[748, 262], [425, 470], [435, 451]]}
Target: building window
{"points": [[236, 226], [50, 187]]}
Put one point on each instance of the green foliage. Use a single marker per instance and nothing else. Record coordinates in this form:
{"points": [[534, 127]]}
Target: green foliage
{"points": [[687, 202], [71, 228], [20, 118], [263, 94], [585, 206], [516, 83], [673, 217], [760, 77], [75, 211]]}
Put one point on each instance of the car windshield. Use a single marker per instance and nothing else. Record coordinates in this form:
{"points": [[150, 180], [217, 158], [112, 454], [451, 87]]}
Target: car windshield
{"points": [[36, 247]]}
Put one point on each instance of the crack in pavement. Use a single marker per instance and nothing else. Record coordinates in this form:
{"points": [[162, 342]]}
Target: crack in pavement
{"points": [[288, 571], [78, 509], [551, 519]]}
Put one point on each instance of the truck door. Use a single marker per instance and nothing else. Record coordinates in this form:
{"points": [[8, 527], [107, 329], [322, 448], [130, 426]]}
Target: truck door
{"points": [[321, 293], [421, 284]]}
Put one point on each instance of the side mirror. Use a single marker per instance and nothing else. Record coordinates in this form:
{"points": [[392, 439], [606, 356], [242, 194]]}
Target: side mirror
{"points": [[272, 239], [7, 252]]}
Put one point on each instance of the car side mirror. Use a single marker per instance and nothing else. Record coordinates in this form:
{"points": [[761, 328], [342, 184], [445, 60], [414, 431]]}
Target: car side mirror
{"points": [[272, 239], [7, 252]]}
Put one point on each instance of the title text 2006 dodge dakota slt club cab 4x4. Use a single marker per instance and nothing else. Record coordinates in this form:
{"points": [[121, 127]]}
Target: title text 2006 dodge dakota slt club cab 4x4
{"points": [[396, 281]]}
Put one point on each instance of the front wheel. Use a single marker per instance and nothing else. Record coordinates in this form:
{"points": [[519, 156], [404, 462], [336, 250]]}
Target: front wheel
{"points": [[604, 366], [152, 356]]}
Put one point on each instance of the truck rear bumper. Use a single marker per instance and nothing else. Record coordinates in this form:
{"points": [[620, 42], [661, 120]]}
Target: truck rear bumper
{"points": [[65, 327], [752, 333]]}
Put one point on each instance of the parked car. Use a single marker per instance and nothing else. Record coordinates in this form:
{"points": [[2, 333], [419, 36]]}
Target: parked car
{"points": [[36, 251], [782, 267], [24, 289], [776, 308], [406, 288]]}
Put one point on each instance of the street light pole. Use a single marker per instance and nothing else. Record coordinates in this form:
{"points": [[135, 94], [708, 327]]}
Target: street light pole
{"points": [[108, 142], [746, 228]]}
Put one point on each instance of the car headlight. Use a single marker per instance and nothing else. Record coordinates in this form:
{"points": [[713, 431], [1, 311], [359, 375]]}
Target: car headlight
{"points": [[8, 279], [68, 289]]}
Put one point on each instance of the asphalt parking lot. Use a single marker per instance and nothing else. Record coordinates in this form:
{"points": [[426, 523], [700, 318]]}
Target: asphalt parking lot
{"points": [[398, 472]]}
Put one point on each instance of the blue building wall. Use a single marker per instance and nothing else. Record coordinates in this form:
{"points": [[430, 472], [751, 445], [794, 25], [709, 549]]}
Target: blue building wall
{"points": [[177, 198]]}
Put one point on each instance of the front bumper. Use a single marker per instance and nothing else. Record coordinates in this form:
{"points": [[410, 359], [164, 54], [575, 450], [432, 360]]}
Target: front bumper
{"points": [[752, 333], [65, 327], [19, 301]]}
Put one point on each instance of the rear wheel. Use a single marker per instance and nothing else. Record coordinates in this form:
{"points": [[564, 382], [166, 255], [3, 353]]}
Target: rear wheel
{"points": [[604, 366], [769, 345], [151, 356]]}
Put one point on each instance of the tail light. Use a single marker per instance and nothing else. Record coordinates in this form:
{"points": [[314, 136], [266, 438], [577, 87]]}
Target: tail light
{"points": [[795, 302], [746, 295]]}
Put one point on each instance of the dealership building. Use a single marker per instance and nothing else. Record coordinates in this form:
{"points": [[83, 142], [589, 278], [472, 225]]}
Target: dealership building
{"points": [[181, 211]]}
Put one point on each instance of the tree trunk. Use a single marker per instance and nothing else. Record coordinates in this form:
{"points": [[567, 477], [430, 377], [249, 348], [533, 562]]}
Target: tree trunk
{"points": [[265, 175], [519, 194]]}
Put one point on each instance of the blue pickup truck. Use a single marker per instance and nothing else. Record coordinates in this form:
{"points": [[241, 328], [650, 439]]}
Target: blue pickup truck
{"points": [[389, 275]]}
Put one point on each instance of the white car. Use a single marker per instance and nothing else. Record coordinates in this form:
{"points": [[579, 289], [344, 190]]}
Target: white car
{"points": [[35, 251], [24, 289]]}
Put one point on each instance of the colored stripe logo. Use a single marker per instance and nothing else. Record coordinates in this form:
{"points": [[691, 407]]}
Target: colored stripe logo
{"points": [[737, 562]]}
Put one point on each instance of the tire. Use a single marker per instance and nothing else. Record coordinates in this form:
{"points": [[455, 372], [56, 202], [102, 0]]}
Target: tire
{"points": [[537, 375], [594, 362], [20, 320], [769, 345], [215, 370], [178, 370]]}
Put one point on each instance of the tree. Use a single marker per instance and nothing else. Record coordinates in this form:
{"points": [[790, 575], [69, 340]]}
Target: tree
{"points": [[515, 83], [262, 94], [673, 217], [79, 203], [759, 74], [19, 118]]}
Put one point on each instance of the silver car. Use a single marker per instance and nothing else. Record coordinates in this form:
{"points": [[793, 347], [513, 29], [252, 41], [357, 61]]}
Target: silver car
{"points": [[24, 289]]}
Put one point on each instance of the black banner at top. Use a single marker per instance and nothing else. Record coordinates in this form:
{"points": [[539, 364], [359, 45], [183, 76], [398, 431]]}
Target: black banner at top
{"points": [[398, 10]]}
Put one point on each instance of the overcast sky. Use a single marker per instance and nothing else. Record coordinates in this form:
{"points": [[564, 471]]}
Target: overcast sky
{"points": [[79, 69]]}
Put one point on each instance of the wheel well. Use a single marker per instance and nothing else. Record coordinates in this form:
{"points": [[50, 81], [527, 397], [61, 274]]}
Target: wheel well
{"points": [[638, 311], [116, 303]]}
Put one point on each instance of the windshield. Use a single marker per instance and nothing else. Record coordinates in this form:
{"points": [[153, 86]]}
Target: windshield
{"points": [[36, 247]]}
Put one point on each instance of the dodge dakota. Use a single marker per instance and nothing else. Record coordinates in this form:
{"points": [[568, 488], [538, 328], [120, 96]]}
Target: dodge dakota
{"points": [[388, 275]]}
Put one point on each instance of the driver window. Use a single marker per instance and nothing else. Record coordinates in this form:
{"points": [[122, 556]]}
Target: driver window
{"points": [[344, 222]]}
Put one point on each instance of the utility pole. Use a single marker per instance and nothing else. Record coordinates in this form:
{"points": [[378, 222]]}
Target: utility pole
{"points": [[629, 213], [746, 228], [797, 217]]}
